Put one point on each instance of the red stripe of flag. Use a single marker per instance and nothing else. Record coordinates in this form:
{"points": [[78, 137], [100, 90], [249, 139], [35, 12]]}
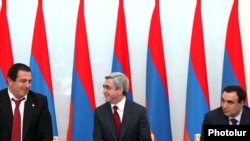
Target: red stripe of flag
{"points": [[234, 46], [197, 51], [197, 89], [40, 47], [156, 45], [6, 59], [82, 59], [121, 52], [40, 64], [82, 102], [233, 69], [156, 82]]}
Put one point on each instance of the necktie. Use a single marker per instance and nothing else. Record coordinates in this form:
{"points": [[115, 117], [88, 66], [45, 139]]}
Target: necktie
{"points": [[16, 124], [234, 121], [117, 121]]}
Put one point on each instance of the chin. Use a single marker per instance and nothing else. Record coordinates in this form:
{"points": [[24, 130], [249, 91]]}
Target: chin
{"points": [[227, 114], [107, 99]]}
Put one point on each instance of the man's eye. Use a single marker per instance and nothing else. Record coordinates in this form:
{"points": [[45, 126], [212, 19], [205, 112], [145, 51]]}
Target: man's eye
{"points": [[106, 87]]}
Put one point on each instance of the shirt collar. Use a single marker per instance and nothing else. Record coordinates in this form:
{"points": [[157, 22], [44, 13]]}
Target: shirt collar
{"points": [[237, 117], [12, 96], [120, 105]]}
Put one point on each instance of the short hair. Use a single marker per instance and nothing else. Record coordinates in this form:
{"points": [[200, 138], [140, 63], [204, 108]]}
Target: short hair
{"points": [[13, 71], [239, 91], [120, 81]]}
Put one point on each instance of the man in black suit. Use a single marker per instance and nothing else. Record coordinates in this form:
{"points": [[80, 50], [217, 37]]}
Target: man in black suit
{"points": [[133, 117], [36, 124], [232, 107]]}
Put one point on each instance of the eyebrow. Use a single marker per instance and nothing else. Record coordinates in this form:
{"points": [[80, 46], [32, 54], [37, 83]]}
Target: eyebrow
{"points": [[228, 101], [106, 86]]}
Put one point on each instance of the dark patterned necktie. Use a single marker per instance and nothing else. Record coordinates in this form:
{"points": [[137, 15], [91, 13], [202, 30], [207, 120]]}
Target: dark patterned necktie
{"points": [[234, 121]]}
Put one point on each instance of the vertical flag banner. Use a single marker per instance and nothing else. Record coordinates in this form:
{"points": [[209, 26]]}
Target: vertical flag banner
{"points": [[157, 99], [121, 54], [82, 104], [197, 98], [6, 59], [40, 65], [233, 66]]}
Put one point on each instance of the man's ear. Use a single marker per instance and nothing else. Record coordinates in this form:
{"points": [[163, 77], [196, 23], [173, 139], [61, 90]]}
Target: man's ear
{"points": [[121, 90], [9, 81], [242, 102]]}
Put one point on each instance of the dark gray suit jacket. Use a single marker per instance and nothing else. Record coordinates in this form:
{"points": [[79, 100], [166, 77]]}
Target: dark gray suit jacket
{"points": [[217, 117], [135, 124], [37, 124]]}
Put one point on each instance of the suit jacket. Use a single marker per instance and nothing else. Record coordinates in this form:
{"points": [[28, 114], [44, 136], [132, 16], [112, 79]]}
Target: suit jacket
{"points": [[135, 124], [37, 124], [217, 117]]}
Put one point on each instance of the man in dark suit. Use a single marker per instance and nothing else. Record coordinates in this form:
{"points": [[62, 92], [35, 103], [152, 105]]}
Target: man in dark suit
{"points": [[133, 117], [36, 124], [232, 107]]}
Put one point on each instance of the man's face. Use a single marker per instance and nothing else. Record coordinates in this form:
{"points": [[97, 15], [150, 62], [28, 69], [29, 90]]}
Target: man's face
{"points": [[230, 105], [21, 86], [111, 94]]}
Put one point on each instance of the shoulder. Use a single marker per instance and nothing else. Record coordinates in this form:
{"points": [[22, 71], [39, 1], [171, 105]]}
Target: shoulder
{"points": [[103, 107], [37, 96], [215, 117], [5, 90], [4, 97], [215, 112], [246, 109], [245, 117], [134, 105]]}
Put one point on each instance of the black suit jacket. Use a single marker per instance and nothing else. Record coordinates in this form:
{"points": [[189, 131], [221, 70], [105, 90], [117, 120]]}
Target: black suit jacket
{"points": [[217, 117], [37, 124], [135, 125]]}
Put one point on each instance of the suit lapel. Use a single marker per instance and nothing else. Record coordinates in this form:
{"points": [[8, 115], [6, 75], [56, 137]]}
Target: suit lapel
{"points": [[127, 117], [5, 106], [109, 115], [28, 112], [245, 117], [225, 120]]}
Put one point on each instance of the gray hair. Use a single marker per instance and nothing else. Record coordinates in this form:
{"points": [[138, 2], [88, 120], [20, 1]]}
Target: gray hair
{"points": [[120, 81]]}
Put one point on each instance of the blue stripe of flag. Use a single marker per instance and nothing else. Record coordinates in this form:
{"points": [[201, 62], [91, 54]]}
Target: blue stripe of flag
{"points": [[82, 115], [2, 80], [117, 67], [195, 97], [157, 102], [39, 85], [228, 76]]}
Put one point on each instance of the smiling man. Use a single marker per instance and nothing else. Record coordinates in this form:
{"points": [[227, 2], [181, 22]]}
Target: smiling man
{"points": [[120, 119], [24, 114]]}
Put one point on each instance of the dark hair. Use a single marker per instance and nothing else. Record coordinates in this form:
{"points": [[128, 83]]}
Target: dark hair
{"points": [[240, 92], [13, 71]]}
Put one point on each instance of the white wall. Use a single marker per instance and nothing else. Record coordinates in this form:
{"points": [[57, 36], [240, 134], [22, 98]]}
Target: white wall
{"points": [[100, 16]]}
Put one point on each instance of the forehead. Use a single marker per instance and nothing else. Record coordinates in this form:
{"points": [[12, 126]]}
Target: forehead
{"points": [[232, 96], [23, 74], [109, 82]]}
